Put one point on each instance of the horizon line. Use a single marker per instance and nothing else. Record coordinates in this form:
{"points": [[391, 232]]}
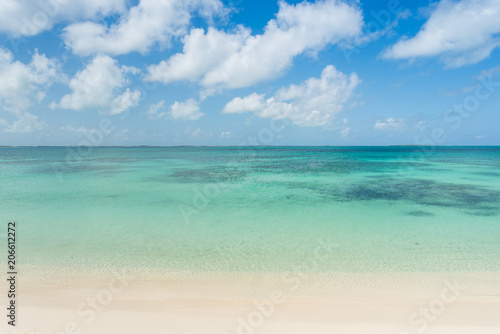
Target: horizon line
{"points": [[177, 146]]}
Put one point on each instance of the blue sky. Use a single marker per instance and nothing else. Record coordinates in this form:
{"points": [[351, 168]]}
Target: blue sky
{"points": [[240, 72]]}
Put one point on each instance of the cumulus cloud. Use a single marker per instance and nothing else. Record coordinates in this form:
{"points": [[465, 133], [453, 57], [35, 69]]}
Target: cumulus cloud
{"points": [[125, 101], [24, 122], [20, 84], [18, 79], [147, 23], [391, 124], [239, 59], [315, 102], [96, 87], [460, 33], [28, 17], [188, 110], [239, 105]]}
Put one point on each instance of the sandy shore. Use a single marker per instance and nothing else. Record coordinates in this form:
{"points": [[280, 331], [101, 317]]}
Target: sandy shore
{"points": [[130, 301]]}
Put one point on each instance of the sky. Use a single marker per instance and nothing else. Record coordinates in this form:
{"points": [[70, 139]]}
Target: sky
{"points": [[249, 72]]}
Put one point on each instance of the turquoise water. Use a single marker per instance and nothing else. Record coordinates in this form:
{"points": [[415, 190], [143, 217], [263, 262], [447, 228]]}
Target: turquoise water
{"points": [[253, 209]]}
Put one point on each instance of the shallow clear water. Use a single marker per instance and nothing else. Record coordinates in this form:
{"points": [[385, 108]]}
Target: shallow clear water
{"points": [[248, 209]]}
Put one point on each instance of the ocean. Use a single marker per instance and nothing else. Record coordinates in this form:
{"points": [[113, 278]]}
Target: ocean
{"points": [[274, 209]]}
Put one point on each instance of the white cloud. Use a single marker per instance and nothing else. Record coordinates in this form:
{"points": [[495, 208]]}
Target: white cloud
{"points": [[154, 111], [130, 69], [81, 130], [346, 129], [489, 72], [201, 54], [29, 17], [377, 25], [188, 110], [239, 105], [95, 135], [460, 33], [68, 128], [125, 101], [225, 134], [198, 133], [345, 132], [25, 122], [390, 124], [239, 59], [315, 102], [147, 23], [96, 87], [21, 83], [421, 125], [18, 79]]}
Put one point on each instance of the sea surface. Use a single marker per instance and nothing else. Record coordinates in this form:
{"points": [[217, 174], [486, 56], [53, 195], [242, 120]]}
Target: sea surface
{"points": [[354, 209]]}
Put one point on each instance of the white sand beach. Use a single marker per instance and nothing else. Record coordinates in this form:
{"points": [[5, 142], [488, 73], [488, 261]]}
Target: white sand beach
{"points": [[117, 301]]}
